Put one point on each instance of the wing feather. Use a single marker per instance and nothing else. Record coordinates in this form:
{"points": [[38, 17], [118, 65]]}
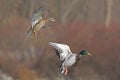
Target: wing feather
{"points": [[37, 16], [63, 50]]}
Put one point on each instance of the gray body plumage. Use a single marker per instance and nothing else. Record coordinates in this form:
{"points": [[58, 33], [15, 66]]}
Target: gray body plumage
{"points": [[65, 55]]}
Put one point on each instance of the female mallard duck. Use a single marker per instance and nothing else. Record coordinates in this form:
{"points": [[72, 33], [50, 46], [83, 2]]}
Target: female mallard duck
{"points": [[66, 57], [38, 22]]}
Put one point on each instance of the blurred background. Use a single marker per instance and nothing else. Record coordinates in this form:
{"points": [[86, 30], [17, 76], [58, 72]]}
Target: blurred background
{"points": [[82, 24]]}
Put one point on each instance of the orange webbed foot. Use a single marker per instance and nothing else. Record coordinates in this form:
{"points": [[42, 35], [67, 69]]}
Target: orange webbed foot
{"points": [[35, 34], [66, 71]]}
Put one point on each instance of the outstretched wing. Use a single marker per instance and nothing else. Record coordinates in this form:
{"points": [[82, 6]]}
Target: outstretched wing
{"points": [[37, 16], [62, 50]]}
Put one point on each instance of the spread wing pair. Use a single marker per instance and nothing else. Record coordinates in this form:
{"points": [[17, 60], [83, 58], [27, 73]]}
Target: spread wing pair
{"points": [[62, 50]]}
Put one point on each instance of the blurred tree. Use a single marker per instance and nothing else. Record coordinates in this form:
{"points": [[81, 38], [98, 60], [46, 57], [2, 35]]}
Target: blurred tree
{"points": [[109, 8]]}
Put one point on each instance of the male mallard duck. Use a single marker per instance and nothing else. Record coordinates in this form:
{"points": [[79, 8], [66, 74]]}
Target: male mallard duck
{"points": [[66, 57], [38, 22]]}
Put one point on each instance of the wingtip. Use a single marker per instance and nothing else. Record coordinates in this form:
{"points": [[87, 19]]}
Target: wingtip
{"points": [[53, 43], [50, 43]]}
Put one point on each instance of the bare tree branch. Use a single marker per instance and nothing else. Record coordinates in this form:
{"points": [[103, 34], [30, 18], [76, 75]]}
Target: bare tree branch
{"points": [[109, 12]]}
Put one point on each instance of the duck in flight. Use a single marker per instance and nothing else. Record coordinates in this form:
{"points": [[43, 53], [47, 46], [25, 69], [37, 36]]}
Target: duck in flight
{"points": [[38, 22], [66, 57]]}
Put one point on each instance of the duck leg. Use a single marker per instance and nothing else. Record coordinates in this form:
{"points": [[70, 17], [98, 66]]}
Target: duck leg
{"points": [[35, 34], [66, 71]]}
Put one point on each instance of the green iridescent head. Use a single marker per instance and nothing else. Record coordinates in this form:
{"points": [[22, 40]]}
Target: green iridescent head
{"points": [[85, 52]]}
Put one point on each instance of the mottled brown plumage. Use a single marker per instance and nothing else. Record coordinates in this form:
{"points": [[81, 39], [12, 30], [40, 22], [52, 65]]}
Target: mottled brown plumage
{"points": [[38, 22]]}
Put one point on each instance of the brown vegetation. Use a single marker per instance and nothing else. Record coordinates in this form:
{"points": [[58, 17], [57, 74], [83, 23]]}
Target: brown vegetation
{"points": [[80, 24]]}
